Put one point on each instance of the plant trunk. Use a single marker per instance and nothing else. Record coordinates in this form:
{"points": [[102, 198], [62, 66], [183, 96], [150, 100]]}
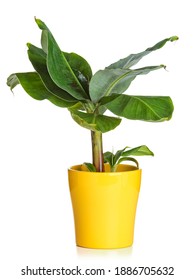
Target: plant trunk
{"points": [[97, 150]]}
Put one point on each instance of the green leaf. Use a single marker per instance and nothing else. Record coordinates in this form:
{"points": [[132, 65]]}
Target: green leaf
{"points": [[118, 155], [38, 60], [109, 158], [95, 122], [81, 69], [109, 81], [59, 68], [44, 42], [128, 159], [138, 151], [106, 123], [90, 166], [104, 100], [123, 155], [133, 59], [12, 81], [79, 65], [107, 99], [84, 119], [145, 108], [41, 24], [33, 85]]}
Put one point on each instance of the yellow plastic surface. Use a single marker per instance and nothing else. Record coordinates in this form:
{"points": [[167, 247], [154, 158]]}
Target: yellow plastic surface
{"points": [[104, 206]]}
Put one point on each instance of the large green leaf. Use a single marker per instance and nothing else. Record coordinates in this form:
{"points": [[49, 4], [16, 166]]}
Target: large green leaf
{"points": [[133, 59], [95, 123], [59, 68], [109, 81], [146, 108], [38, 60], [33, 85], [79, 65]]}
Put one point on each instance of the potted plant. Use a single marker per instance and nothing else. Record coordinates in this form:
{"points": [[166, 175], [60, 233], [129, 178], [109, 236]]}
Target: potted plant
{"points": [[104, 193]]}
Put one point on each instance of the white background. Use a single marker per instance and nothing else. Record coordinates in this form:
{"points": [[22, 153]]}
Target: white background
{"points": [[39, 141]]}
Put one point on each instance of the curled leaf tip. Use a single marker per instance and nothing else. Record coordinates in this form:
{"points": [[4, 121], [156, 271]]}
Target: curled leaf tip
{"points": [[37, 20], [174, 38], [40, 24], [163, 66]]}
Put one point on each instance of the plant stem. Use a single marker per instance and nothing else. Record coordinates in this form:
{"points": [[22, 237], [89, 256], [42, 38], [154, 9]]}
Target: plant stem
{"points": [[97, 150], [114, 168]]}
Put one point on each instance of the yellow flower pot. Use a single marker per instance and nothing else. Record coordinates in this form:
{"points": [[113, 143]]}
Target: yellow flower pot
{"points": [[104, 206]]}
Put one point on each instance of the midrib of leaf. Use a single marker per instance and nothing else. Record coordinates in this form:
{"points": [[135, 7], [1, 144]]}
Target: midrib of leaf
{"points": [[65, 60], [115, 82], [136, 73], [72, 72], [135, 97]]}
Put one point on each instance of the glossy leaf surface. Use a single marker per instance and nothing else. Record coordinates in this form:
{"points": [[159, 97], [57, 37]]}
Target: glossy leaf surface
{"points": [[81, 69], [33, 85], [95, 123], [109, 81], [38, 60], [145, 108]]}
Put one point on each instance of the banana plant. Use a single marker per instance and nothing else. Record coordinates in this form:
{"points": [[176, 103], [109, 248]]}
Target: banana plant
{"points": [[66, 80]]}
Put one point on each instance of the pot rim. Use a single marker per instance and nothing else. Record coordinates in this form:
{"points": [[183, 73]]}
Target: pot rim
{"points": [[133, 168]]}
